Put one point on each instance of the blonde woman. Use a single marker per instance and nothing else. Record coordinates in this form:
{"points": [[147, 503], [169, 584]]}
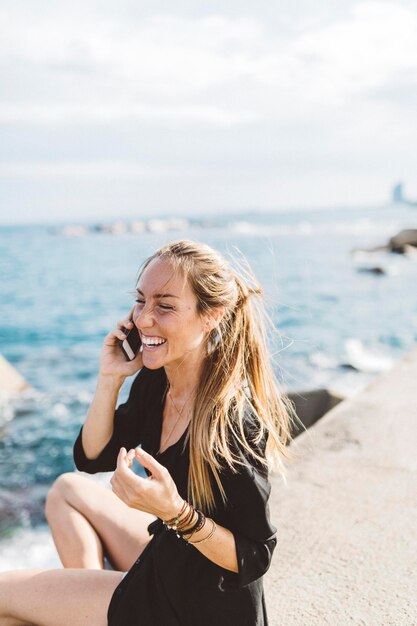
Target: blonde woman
{"points": [[191, 542]]}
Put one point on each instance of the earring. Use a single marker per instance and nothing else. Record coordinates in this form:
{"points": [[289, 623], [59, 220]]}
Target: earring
{"points": [[213, 340]]}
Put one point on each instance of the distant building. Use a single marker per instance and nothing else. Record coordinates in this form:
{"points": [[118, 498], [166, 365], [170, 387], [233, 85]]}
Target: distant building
{"points": [[398, 195]]}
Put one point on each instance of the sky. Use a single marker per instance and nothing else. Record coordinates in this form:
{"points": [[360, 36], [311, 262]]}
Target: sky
{"points": [[127, 109]]}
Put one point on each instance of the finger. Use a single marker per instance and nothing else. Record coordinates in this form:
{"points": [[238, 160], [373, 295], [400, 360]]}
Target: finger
{"points": [[119, 334], [123, 473], [121, 459], [129, 457], [149, 462], [124, 459], [124, 323]]}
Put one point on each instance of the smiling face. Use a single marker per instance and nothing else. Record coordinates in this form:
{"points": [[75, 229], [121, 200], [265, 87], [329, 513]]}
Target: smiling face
{"points": [[166, 315]]}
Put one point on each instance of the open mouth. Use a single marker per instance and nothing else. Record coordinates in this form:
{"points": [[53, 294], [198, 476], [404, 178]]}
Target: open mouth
{"points": [[152, 343]]}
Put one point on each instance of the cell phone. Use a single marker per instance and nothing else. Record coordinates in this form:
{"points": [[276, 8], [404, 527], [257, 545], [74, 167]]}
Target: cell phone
{"points": [[131, 345]]}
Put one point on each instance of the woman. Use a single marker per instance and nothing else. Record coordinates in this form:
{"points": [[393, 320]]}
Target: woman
{"points": [[191, 542]]}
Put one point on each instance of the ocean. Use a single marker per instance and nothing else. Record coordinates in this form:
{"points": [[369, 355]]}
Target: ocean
{"points": [[338, 325]]}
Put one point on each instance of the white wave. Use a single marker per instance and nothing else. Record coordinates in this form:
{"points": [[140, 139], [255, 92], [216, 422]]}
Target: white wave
{"points": [[327, 374], [29, 548], [364, 360], [59, 403], [321, 360]]}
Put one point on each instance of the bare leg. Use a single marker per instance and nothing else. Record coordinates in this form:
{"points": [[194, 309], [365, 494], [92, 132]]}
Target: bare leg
{"points": [[87, 520], [65, 597]]}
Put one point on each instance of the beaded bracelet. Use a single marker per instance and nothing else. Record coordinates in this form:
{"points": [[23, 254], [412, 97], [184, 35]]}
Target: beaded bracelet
{"points": [[201, 520], [182, 520], [211, 533], [175, 520]]}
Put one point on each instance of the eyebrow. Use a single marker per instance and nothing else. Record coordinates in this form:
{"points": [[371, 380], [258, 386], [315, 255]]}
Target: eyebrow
{"points": [[159, 295]]}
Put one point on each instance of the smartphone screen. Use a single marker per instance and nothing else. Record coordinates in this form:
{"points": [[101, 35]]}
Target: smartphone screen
{"points": [[131, 345]]}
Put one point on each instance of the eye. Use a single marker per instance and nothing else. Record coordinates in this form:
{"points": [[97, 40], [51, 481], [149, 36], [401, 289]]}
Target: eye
{"points": [[164, 307]]}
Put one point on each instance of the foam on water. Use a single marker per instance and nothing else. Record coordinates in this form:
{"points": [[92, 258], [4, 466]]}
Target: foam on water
{"points": [[29, 548], [364, 360]]}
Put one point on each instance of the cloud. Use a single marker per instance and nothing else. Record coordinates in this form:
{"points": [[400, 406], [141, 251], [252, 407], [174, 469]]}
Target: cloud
{"points": [[249, 104], [210, 69], [99, 170], [107, 113]]}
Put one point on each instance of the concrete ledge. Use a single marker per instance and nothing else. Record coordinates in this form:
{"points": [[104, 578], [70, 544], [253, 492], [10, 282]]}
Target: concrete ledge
{"points": [[347, 540], [311, 405]]}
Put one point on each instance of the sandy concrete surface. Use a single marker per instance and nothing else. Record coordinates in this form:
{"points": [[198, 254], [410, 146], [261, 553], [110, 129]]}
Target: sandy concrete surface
{"points": [[347, 523]]}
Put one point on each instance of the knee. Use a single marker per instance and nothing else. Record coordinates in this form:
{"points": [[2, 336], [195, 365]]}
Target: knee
{"points": [[59, 492]]}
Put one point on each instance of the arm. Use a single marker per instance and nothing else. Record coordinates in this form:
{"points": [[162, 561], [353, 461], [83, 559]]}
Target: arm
{"points": [[244, 548], [219, 548], [97, 438], [99, 424], [106, 429]]}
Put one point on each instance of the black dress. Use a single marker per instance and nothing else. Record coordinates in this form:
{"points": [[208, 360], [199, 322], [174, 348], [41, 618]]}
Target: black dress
{"points": [[172, 583]]}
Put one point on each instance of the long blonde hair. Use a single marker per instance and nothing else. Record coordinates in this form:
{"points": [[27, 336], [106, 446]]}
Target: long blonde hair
{"points": [[237, 370]]}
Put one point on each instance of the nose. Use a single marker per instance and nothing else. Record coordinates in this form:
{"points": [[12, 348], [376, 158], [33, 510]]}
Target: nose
{"points": [[143, 317]]}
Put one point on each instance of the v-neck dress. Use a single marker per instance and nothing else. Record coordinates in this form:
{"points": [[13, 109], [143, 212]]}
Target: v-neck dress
{"points": [[172, 583]]}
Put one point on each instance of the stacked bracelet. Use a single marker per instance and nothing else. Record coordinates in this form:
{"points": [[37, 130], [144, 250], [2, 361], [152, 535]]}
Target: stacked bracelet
{"points": [[211, 533], [201, 520], [174, 521], [182, 520], [181, 523]]}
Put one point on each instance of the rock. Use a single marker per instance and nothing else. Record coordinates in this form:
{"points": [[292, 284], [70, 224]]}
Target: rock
{"points": [[372, 270], [404, 238], [401, 243], [10, 379]]}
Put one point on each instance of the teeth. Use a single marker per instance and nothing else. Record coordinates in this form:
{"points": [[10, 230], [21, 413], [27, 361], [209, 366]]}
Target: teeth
{"points": [[153, 342]]}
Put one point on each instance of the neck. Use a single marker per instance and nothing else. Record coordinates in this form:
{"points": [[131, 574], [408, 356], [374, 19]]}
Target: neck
{"points": [[184, 377]]}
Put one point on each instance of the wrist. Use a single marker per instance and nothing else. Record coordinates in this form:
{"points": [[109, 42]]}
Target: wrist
{"points": [[110, 382], [175, 509]]}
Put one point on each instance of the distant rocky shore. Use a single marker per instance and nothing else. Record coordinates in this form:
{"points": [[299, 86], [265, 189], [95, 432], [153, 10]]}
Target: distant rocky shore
{"points": [[137, 227]]}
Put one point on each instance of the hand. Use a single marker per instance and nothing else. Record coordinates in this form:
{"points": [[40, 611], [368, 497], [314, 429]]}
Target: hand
{"points": [[156, 494], [112, 360]]}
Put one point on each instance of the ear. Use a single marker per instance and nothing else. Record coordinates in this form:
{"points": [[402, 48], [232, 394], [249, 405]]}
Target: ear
{"points": [[213, 318]]}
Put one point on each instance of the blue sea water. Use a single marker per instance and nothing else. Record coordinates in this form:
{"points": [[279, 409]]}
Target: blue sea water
{"points": [[336, 326]]}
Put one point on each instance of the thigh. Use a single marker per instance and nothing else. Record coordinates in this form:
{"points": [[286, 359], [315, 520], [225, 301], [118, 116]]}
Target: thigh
{"points": [[122, 530], [65, 597]]}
